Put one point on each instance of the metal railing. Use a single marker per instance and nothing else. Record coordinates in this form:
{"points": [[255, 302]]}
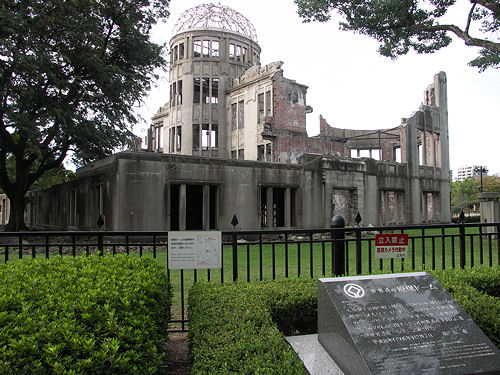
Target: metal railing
{"points": [[267, 255]]}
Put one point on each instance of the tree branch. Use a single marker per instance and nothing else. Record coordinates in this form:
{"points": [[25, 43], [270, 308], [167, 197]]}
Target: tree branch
{"points": [[469, 41], [469, 18]]}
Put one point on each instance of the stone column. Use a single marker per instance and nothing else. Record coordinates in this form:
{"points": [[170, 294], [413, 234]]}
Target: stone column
{"points": [[206, 207], [269, 205], [287, 208]]}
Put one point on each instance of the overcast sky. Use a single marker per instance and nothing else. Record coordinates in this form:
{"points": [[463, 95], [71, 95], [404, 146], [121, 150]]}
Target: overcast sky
{"points": [[352, 86]]}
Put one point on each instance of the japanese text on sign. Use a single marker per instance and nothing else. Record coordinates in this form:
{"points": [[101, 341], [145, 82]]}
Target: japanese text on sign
{"points": [[391, 245]]}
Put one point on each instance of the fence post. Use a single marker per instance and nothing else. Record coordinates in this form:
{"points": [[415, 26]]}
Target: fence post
{"points": [[99, 244], [358, 251], [235, 256], [498, 243], [339, 252], [462, 245]]}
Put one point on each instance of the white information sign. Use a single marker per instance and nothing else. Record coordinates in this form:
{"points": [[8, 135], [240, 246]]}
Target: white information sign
{"points": [[194, 250]]}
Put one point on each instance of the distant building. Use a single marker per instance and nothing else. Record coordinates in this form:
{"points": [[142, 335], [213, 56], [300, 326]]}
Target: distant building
{"points": [[469, 171]]}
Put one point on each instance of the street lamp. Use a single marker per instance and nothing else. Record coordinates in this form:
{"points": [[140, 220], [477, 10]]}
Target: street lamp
{"points": [[480, 170]]}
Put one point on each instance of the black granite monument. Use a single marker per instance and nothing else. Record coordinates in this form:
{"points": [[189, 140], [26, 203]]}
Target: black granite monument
{"points": [[400, 324]]}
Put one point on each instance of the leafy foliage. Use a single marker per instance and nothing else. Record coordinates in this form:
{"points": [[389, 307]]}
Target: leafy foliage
{"points": [[85, 315], [465, 194], [70, 73], [401, 26], [240, 327]]}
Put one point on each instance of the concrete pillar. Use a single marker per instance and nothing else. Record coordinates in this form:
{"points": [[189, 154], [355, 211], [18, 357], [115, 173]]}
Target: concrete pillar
{"points": [[269, 205], [287, 208], [182, 207], [206, 207], [490, 209]]}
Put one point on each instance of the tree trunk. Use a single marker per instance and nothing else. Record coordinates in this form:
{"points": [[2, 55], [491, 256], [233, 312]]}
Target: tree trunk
{"points": [[16, 217]]}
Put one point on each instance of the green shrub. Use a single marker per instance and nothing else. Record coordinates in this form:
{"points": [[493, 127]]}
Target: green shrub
{"points": [[84, 315], [240, 328]]}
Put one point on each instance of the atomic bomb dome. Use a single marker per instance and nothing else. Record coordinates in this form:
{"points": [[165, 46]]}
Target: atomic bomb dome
{"points": [[217, 17]]}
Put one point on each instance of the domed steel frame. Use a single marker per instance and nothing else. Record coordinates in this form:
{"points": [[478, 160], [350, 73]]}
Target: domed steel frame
{"points": [[215, 16]]}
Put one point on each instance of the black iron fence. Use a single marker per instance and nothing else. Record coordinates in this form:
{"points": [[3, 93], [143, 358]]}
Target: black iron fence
{"points": [[267, 255]]}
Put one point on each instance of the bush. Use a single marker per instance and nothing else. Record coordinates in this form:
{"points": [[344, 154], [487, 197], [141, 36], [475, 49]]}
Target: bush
{"points": [[83, 315], [240, 328]]}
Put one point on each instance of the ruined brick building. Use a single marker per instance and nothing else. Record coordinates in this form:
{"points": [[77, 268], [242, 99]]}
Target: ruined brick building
{"points": [[232, 140]]}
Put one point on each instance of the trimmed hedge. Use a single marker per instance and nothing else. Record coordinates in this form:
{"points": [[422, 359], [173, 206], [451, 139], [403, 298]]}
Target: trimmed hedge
{"points": [[98, 315], [240, 327]]}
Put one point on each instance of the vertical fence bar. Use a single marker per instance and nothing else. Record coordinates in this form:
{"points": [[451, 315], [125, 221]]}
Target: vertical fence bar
{"points": [[140, 250], [392, 264], [358, 251], [100, 249], [472, 250], [338, 255], [462, 246], [286, 255], [47, 247], [274, 260], [481, 245], [413, 252], [20, 241], [346, 242], [298, 259], [498, 244], [127, 244], [235, 256], [490, 253], [154, 246], [423, 247], [182, 299], [33, 251], [73, 245], [453, 251], [6, 248], [323, 259], [311, 261], [433, 253], [443, 248], [248, 262], [369, 256], [60, 250], [260, 256]]}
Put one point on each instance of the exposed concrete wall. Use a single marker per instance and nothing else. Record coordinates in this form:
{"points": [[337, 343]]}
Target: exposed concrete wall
{"points": [[152, 191]]}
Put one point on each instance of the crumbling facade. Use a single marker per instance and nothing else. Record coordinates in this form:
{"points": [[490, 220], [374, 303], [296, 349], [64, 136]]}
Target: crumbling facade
{"points": [[232, 140]]}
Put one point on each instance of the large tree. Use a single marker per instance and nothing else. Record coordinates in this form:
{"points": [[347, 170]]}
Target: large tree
{"points": [[70, 73], [402, 25]]}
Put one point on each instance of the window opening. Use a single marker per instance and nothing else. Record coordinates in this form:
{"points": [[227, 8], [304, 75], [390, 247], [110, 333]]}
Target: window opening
{"points": [[260, 152], [213, 207], [206, 48], [231, 51], [241, 154], [175, 53], [245, 55], [197, 48], [234, 124], [181, 51], [215, 48], [233, 154], [214, 93], [179, 138], [196, 137], [260, 108], [241, 115], [205, 91], [268, 104], [268, 152], [238, 53], [196, 90], [179, 92], [278, 207]]}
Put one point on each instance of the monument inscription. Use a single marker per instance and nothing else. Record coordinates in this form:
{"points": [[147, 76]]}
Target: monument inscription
{"points": [[400, 324]]}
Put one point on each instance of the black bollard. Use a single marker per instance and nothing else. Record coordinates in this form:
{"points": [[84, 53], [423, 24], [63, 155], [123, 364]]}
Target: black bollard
{"points": [[339, 245]]}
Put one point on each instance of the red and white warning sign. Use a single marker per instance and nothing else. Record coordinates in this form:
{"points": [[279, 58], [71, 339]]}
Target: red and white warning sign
{"points": [[391, 246]]}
